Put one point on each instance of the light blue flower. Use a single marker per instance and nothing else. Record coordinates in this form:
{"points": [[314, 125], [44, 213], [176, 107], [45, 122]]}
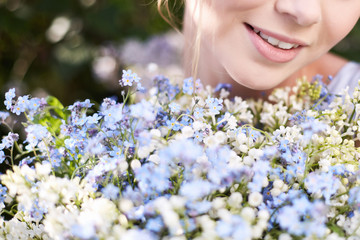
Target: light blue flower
{"points": [[188, 86], [110, 191], [251, 133], [36, 212], [324, 183], [354, 198], [4, 115], [153, 179], [136, 234], [155, 224], [83, 231], [9, 140], [303, 217], [174, 107], [198, 136], [144, 110], [311, 127], [9, 96], [198, 113], [235, 228], [196, 189], [260, 169], [2, 156], [35, 134], [173, 124], [127, 78], [198, 208], [214, 104]]}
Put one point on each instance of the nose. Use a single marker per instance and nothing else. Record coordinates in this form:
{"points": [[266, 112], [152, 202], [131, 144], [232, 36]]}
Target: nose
{"points": [[303, 12]]}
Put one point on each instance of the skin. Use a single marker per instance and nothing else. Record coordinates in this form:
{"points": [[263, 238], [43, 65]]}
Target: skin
{"points": [[228, 55]]}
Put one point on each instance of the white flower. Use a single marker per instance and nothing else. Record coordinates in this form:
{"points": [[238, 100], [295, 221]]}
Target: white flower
{"points": [[218, 203], [248, 214], [257, 231], [198, 125], [253, 155], [235, 161], [231, 123], [123, 220], [177, 202], [99, 213], [265, 182], [241, 138], [231, 134], [125, 205], [278, 183], [211, 141], [206, 223], [203, 159], [334, 236], [43, 169], [275, 192], [170, 218], [224, 214], [244, 148], [263, 215], [285, 236], [135, 164], [255, 199], [235, 200], [58, 222], [221, 137], [144, 151], [155, 133], [187, 132], [123, 166], [325, 163]]}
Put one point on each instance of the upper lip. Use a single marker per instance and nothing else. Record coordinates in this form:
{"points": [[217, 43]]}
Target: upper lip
{"points": [[280, 37]]}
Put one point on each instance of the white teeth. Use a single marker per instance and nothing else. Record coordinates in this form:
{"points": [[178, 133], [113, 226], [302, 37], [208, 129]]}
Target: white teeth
{"points": [[285, 45], [264, 36], [275, 42]]}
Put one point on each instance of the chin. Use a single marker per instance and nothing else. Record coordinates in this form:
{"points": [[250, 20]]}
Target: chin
{"points": [[258, 77], [259, 84]]}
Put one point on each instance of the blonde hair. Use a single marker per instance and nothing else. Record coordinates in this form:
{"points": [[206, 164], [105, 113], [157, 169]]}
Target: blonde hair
{"points": [[166, 13]]}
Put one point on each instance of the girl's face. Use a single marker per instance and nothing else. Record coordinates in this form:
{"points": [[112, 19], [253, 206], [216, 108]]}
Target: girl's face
{"points": [[259, 43]]}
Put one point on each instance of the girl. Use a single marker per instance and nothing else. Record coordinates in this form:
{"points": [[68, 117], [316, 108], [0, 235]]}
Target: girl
{"points": [[258, 45]]}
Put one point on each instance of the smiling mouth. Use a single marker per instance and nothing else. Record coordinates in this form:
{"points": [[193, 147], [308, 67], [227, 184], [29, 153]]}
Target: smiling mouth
{"points": [[274, 47], [274, 41]]}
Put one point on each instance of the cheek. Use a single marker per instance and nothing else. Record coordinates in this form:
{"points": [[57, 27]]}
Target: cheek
{"points": [[338, 26], [339, 32]]}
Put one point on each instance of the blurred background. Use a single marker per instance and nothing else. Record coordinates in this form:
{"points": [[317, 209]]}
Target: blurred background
{"points": [[76, 49]]}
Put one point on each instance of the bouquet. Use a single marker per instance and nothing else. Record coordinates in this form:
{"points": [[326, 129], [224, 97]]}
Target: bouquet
{"points": [[184, 162]]}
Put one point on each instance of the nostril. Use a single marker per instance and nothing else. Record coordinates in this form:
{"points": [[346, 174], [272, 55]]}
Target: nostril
{"points": [[309, 18], [303, 12]]}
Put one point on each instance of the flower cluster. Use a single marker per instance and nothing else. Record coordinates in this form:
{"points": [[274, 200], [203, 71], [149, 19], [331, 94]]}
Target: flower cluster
{"points": [[183, 163]]}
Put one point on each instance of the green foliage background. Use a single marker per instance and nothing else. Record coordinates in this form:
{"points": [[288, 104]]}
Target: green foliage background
{"points": [[32, 63]]}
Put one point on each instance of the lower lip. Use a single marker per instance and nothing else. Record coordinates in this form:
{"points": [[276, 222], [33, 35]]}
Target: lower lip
{"points": [[270, 52]]}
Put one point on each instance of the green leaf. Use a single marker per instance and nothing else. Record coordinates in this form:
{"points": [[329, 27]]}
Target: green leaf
{"points": [[57, 107], [336, 229]]}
